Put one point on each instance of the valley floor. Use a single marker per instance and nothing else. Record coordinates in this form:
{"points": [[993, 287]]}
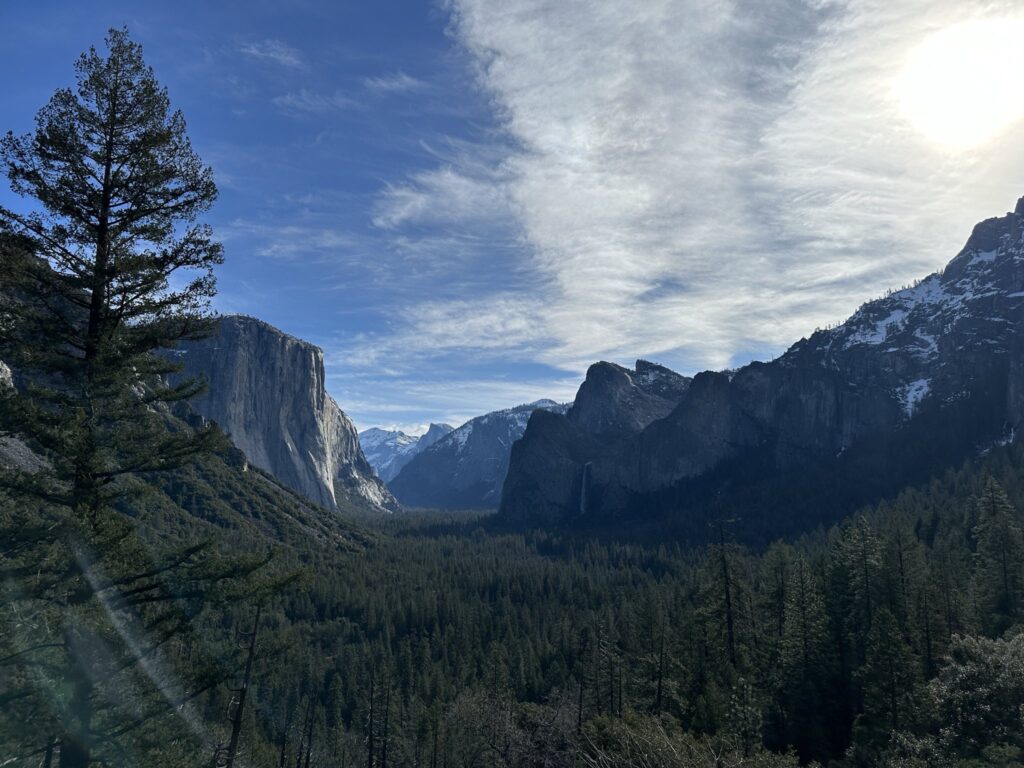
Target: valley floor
{"points": [[429, 640]]}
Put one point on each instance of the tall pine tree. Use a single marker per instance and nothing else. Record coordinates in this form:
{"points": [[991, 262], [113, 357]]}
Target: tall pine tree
{"points": [[999, 560], [104, 268]]}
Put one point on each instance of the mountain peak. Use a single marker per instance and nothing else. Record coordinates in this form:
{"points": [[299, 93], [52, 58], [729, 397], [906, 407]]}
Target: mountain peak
{"points": [[990, 234], [390, 450]]}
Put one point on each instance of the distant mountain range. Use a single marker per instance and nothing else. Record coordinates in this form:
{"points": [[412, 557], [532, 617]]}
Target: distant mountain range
{"points": [[911, 384], [466, 468], [390, 450]]}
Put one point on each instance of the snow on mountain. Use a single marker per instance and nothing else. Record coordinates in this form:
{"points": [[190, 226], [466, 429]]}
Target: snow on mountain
{"points": [[466, 468], [390, 450]]}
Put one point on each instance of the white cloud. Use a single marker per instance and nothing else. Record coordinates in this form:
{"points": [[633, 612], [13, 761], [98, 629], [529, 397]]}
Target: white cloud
{"points": [[695, 180], [274, 51], [500, 325], [312, 103], [397, 82], [445, 196], [451, 402], [291, 241]]}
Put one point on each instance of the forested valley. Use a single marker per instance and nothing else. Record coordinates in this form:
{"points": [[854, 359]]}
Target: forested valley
{"points": [[892, 639]]}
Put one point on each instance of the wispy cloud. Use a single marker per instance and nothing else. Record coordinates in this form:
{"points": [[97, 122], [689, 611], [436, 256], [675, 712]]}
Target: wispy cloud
{"points": [[502, 325], [275, 52], [446, 196], [397, 82], [397, 401], [312, 103], [290, 241], [696, 181]]}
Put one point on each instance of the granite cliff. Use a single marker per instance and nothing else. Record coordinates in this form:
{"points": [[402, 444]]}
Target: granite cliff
{"points": [[267, 392]]}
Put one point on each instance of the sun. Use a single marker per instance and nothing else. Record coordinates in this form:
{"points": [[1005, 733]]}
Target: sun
{"points": [[962, 86]]}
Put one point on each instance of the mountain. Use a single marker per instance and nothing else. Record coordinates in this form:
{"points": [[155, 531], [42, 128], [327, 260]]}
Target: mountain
{"points": [[909, 385], [390, 450], [267, 392], [466, 468]]}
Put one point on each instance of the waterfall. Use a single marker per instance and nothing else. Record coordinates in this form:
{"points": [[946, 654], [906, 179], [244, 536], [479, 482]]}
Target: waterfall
{"points": [[583, 488]]}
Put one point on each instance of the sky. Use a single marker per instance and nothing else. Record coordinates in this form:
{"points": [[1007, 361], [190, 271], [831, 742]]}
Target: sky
{"points": [[465, 203]]}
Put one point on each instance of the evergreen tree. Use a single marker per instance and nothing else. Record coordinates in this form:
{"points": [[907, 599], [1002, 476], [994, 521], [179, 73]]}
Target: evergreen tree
{"points": [[999, 568], [107, 267], [889, 681], [88, 281], [979, 697], [803, 661], [859, 563]]}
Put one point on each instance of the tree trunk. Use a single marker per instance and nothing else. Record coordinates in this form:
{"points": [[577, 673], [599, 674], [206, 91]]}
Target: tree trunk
{"points": [[369, 739], [236, 721], [387, 719], [579, 709], [302, 734], [730, 624], [661, 670], [284, 735], [76, 744]]}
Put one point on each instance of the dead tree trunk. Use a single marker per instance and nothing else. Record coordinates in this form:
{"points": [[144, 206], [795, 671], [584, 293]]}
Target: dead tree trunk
{"points": [[236, 720]]}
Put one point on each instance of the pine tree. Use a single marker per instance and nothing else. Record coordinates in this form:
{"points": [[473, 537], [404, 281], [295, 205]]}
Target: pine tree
{"points": [[889, 681], [88, 282], [999, 560], [803, 660], [855, 574], [105, 269]]}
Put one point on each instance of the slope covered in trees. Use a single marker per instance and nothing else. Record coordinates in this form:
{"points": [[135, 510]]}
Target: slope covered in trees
{"points": [[892, 639]]}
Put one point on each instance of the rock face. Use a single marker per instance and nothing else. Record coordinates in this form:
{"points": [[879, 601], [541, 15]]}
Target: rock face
{"points": [[911, 383], [466, 468], [267, 392], [554, 471], [13, 452], [390, 450]]}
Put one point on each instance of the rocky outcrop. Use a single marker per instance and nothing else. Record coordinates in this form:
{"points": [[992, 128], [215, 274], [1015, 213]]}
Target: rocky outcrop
{"points": [[909, 384], [390, 450], [466, 468], [554, 470], [615, 400], [267, 391], [13, 452]]}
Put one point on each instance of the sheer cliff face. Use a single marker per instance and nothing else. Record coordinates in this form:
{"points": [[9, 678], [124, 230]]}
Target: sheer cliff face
{"points": [[267, 391], [909, 384]]}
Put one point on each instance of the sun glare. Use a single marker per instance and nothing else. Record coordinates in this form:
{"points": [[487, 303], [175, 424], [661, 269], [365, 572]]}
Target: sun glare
{"points": [[962, 85]]}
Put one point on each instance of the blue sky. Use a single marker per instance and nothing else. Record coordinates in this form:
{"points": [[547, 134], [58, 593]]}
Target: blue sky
{"points": [[467, 202]]}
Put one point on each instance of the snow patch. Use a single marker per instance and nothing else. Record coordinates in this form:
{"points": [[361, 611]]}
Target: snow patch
{"points": [[910, 395]]}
